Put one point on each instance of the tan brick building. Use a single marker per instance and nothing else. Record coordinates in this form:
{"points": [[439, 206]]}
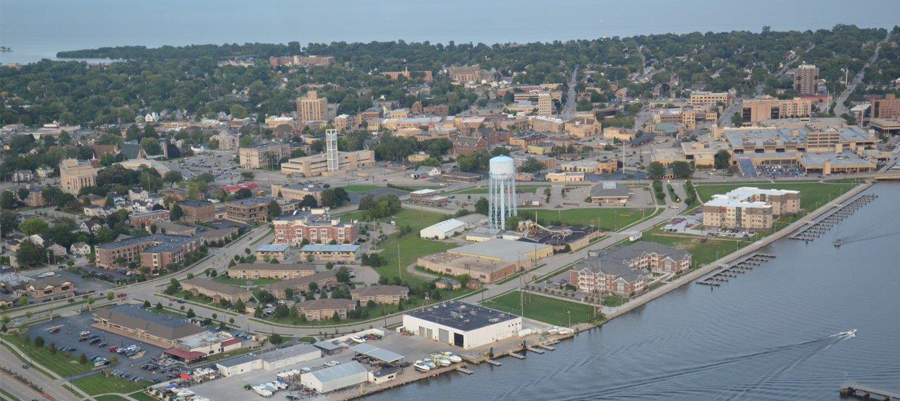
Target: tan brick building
{"points": [[749, 209], [380, 294], [215, 290], [316, 226], [152, 251], [888, 107], [270, 270], [316, 165], [197, 212], [769, 108], [323, 309], [301, 284], [49, 286], [249, 210], [312, 107], [266, 155], [74, 175], [699, 98]]}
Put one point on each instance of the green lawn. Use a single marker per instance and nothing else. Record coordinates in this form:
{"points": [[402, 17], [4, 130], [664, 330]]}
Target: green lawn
{"points": [[240, 282], [6, 396], [702, 253], [608, 219], [484, 189], [544, 309], [60, 363], [812, 194], [110, 398], [612, 300], [99, 384], [141, 396], [360, 188]]}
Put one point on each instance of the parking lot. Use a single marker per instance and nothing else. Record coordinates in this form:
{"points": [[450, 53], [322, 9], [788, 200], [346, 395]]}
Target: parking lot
{"points": [[69, 336]]}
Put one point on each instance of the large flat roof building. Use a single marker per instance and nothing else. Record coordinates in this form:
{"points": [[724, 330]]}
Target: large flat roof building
{"points": [[143, 325], [749, 208], [463, 325]]}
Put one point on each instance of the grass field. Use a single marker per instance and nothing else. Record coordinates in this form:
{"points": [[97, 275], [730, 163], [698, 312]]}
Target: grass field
{"points": [[360, 188], [812, 194], [544, 309], [484, 189], [99, 384], [110, 398], [140, 396], [608, 219], [702, 253], [60, 363]]}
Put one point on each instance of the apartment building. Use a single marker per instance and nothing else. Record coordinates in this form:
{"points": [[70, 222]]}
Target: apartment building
{"points": [[325, 279], [281, 271], [298, 192], [887, 107], [312, 107], [215, 290], [701, 98], [265, 156], [324, 253], [316, 226], [545, 104], [152, 251], [316, 165], [149, 218], [75, 175], [326, 308], [197, 212], [750, 209], [806, 79], [380, 294], [755, 110], [248, 210]]}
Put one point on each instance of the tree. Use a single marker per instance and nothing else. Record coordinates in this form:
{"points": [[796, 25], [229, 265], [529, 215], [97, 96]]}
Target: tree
{"points": [[335, 197], [34, 225], [682, 169], [110, 296], [83, 359], [737, 120], [243, 193], [656, 170], [39, 341], [512, 223], [281, 311], [30, 254], [147, 304], [288, 293], [258, 313], [275, 339], [52, 348], [309, 201], [190, 313], [151, 146], [531, 165], [158, 306], [313, 287], [247, 175], [8, 221], [722, 159], [177, 213], [343, 275], [238, 112], [482, 206], [8, 200], [173, 177], [274, 209], [240, 307]]}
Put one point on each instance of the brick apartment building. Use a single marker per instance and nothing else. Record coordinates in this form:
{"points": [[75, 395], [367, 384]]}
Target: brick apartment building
{"points": [[266, 155], [380, 294], [750, 209], [249, 210], [215, 290], [147, 219], [316, 226], [326, 308], [252, 271], [153, 251], [197, 212]]}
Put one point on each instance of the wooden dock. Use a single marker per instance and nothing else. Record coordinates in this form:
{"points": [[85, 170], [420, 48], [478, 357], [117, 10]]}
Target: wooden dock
{"points": [[816, 228], [464, 370], [548, 347], [854, 389], [493, 362], [733, 269], [517, 356], [535, 350]]}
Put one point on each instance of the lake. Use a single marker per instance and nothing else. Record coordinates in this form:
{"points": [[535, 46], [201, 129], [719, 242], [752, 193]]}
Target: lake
{"points": [[37, 29]]}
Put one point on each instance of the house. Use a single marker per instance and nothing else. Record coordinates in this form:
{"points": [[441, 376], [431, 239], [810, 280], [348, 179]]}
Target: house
{"points": [[58, 250], [23, 176], [91, 225], [81, 249], [95, 211]]}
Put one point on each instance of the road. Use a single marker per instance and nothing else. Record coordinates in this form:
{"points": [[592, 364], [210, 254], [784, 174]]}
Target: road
{"points": [[568, 110], [52, 387], [839, 108]]}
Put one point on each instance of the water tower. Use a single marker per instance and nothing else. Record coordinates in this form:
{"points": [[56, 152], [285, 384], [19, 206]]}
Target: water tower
{"points": [[502, 193]]}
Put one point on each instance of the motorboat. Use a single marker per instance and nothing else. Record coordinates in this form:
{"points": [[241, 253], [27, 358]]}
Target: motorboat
{"points": [[452, 357], [848, 333], [430, 364], [421, 366], [837, 243], [439, 360]]}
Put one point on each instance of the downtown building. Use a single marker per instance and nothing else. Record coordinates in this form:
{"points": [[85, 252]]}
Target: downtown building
{"points": [[263, 156], [152, 251], [75, 175], [316, 165]]}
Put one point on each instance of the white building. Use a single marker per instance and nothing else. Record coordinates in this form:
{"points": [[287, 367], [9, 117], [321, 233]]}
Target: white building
{"points": [[462, 325], [283, 357], [242, 364], [336, 377], [442, 230]]}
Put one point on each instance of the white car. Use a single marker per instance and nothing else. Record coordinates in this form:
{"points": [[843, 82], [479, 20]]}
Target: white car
{"points": [[332, 363], [357, 339]]}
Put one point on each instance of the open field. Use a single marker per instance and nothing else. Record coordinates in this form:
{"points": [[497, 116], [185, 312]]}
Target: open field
{"points": [[484, 189], [544, 309], [812, 194], [61, 363], [99, 384], [140, 396], [608, 219], [702, 253]]}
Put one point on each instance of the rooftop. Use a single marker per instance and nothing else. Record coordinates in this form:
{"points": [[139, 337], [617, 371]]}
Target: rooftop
{"points": [[272, 266], [216, 286], [498, 249], [136, 317], [339, 372], [273, 248], [288, 352], [462, 316], [329, 248]]}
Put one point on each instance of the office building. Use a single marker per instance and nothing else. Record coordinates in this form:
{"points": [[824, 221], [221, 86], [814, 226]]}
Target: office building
{"points": [[264, 156], [312, 107], [887, 107], [248, 210], [316, 165], [316, 226], [545, 104], [197, 212], [765, 108], [700, 98], [806, 79], [75, 175]]}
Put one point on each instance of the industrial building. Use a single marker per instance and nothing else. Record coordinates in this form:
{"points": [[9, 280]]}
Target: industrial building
{"points": [[278, 358], [136, 322], [463, 325], [336, 377], [443, 230], [487, 261]]}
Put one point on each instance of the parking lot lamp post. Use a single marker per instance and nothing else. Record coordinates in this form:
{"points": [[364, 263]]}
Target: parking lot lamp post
{"points": [[569, 313]]}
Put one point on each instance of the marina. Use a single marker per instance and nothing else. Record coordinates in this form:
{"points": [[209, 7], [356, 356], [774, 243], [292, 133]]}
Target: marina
{"points": [[856, 390], [732, 270], [826, 222]]}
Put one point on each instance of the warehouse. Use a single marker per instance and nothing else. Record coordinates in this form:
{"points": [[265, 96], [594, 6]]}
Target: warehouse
{"points": [[280, 358], [488, 261], [336, 377], [442, 230], [462, 325], [239, 365]]}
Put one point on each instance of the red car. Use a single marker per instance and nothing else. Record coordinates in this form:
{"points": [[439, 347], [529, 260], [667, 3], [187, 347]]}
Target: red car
{"points": [[121, 295], [113, 348]]}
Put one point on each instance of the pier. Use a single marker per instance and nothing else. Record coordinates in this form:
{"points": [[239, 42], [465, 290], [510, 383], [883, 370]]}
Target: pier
{"points": [[856, 390], [733, 269], [816, 228]]}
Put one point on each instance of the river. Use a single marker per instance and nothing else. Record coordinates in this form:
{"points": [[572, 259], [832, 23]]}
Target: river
{"points": [[769, 334], [37, 29]]}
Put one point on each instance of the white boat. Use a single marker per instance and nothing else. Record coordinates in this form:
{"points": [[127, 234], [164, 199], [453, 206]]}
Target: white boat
{"points": [[358, 340], [439, 360], [421, 366], [452, 357], [430, 364], [848, 333]]}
